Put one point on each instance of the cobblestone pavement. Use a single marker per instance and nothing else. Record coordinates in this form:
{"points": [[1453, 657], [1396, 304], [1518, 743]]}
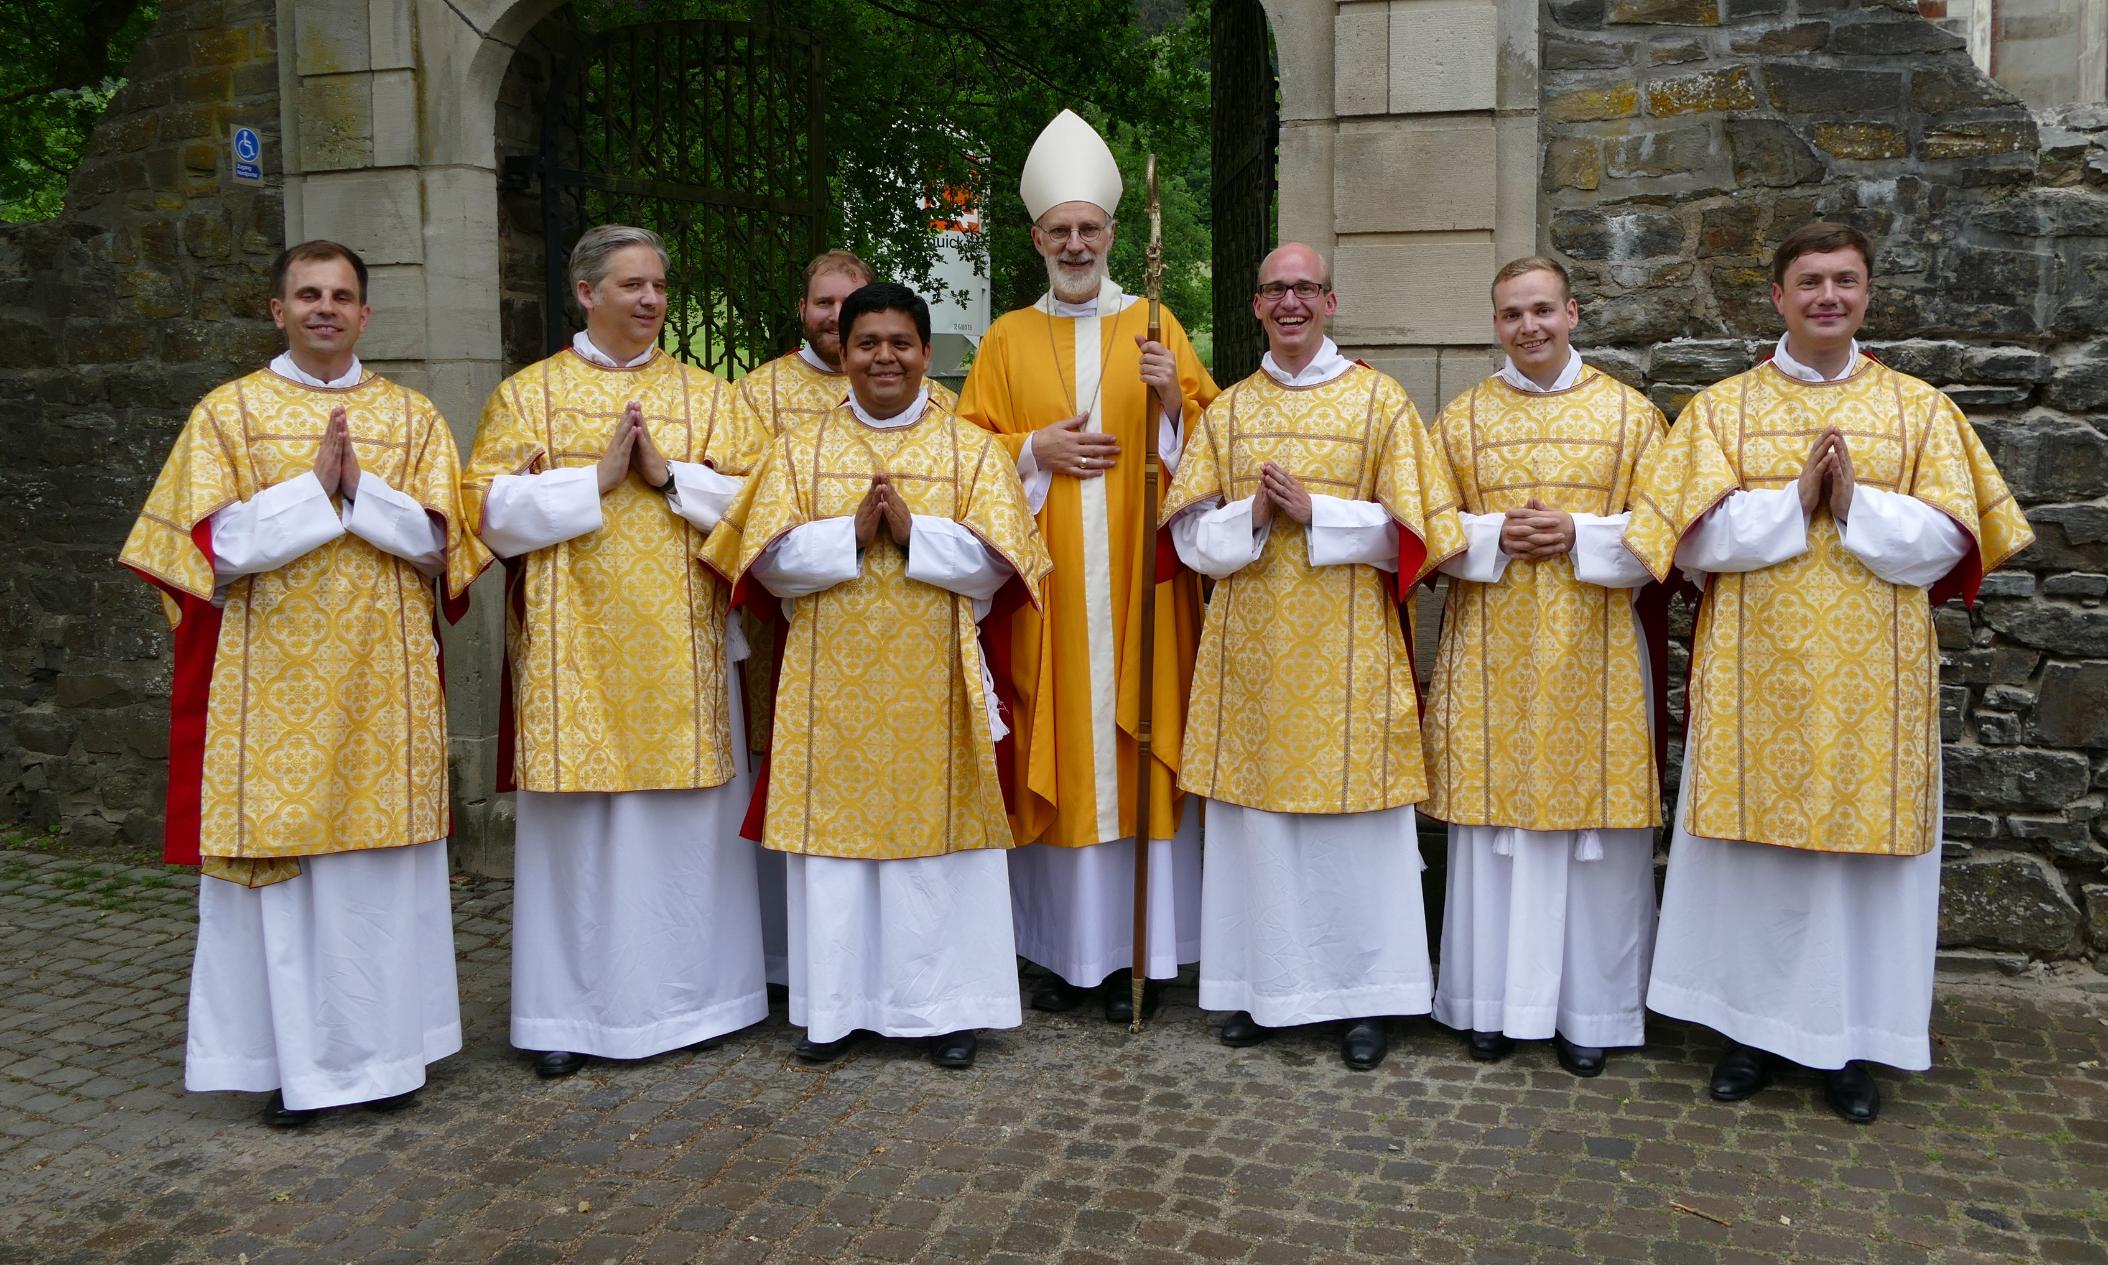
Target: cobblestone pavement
{"points": [[1069, 1142]]}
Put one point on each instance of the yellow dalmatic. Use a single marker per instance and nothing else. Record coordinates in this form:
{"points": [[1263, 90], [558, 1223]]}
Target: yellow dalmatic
{"points": [[306, 711], [1303, 692], [1537, 711], [781, 392], [1075, 662], [1814, 699], [615, 640], [882, 749]]}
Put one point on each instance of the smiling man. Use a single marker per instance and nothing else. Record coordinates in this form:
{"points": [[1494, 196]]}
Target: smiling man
{"points": [[1315, 498], [1068, 385], [1538, 727], [596, 474], [295, 533], [886, 528], [1821, 498]]}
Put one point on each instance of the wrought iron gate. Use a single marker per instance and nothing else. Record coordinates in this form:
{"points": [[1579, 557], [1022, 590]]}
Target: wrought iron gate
{"points": [[709, 133], [1245, 132]]}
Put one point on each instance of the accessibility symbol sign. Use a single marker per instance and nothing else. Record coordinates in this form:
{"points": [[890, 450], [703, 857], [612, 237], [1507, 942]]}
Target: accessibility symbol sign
{"points": [[248, 154]]}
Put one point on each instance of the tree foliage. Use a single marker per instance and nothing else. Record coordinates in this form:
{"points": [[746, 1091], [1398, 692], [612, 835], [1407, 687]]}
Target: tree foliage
{"points": [[60, 63], [924, 95]]}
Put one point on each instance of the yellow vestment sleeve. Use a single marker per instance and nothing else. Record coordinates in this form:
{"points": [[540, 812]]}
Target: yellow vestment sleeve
{"points": [[1680, 478], [505, 444], [198, 479], [986, 392], [1415, 486]]}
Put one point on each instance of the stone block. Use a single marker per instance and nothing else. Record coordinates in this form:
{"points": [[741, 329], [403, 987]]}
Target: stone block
{"points": [[377, 212], [1570, 54], [1970, 826], [1664, 12], [1361, 59], [1418, 370], [1975, 140], [2005, 364], [1517, 149], [1669, 152], [1699, 360], [2072, 710], [1997, 729], [1768, 153], [396, 292], [1952, 628], [1573, 163], [2006, 900], [2046, 829], [1884, 36], [336, 122], [1425, 289], [2046, 457], [2048, 213], [2079, 584], [391, 40], [332, 39], [2007, 583], [1443, 57], [1381, 184], [1617, 235], [1796, 88], [1591, 103], [1954, 712], [1781, 41], [1676, 52], [1647, 318], [2096, 896], [1861, 141], [2014, 777], [1971, 398], [394, 118], [2080, 382], [461, 258], [2056, 628], [2070, 536], [1729, 230], [1462, 367], [1305, 162], [1952, 85], [1730, 88]]}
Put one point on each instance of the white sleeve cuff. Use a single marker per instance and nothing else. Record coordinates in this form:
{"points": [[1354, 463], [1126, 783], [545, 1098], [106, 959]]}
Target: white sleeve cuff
{"points": [[1483, 561], [810, 558], [1344, 531], [947, 555], [701, 495], [395, 524], [279, 524], [1217, 542], [1747, 532], [1902, 539], [1037, 481], [526, 512], [1170, 441], [1600, 556]]}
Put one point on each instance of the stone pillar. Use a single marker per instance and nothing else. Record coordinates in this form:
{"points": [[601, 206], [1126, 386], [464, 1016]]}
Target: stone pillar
{"points": [[1409, 153]]}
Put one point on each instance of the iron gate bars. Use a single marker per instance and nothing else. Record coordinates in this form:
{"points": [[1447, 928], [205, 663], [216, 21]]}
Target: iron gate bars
{"points": [[1245, 131]]}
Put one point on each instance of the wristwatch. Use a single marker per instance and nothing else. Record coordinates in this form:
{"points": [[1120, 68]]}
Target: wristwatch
{"points": [[666, 488]]}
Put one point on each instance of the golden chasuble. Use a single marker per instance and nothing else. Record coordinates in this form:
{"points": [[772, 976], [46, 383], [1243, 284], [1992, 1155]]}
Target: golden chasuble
{"points": [[1537, 710], [307, 715], [1814, 698], [788, 388], [1075, 661], [881, 746], [615, 640], [1303, 691], [776, 395]]}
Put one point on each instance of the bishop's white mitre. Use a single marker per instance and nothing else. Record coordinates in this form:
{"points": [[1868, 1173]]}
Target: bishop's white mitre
{"points": [[1069, 163]]}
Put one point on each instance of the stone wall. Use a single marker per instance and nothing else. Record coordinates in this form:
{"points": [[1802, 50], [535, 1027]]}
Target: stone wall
{"points": [[1683, 139], [114, 319]]}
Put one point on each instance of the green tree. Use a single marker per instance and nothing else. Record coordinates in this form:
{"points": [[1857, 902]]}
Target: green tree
{"points": [[60, 63]]}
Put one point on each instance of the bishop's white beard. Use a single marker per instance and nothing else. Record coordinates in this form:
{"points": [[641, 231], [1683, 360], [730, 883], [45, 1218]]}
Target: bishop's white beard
{"points": [[1068, 290]]}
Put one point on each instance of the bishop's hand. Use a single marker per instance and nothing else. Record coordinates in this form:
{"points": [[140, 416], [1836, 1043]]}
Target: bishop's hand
{"points": [[1160, 374], [1066, 448]]}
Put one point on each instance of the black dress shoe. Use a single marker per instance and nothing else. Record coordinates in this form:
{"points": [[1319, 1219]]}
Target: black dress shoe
{"points": [[1491, 1047], [1364, 1045], [955, 1049], [1056, 994], [823, 1051], [1581, 1060], [1853, 1094], [394, 1102], [1241, 1029], [279, 1116], [1741, 1072], [559, 1063], [1120, 997]]}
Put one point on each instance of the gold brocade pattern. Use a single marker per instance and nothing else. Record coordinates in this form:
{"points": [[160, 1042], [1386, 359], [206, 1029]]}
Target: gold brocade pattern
{"points": [[1023, 379], [1303, 693], [1537, 715], [881, 747], [1814, 693], [617, 638], [325, 728]]}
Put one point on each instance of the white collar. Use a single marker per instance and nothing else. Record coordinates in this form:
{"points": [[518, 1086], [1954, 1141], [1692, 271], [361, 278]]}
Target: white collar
{"points": [[811, 357], [285, 367], [584, 347], [1795, 369], [1111, 298], [1516, 378], [896, 421], [1323, 367]]}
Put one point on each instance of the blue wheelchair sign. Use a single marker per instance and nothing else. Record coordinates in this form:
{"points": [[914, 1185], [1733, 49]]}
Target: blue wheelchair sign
{"points": [[248, 154]]}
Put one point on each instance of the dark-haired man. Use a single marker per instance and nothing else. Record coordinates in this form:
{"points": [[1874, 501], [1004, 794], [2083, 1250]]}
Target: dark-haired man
{"points": [[887, 527], [295, 533], [1821, 498], [1540, 751]]}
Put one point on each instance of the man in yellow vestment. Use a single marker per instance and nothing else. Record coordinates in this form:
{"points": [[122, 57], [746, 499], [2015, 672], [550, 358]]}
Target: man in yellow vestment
{"points": [[1314, 496], [596, 473], [793, 387], [1822, 498], [887, 528], [1539, 741], [295, 533], [1068, 385]]}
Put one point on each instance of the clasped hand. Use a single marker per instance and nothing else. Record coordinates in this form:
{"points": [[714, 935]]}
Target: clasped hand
{"points": [[1279, 490], [1828, 475], [336, 462], [1536, 532], [632, 448], [882, 503]]}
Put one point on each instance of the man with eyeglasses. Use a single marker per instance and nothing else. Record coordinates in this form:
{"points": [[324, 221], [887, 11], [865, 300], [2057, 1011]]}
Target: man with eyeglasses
{"points": [[1068, 384], [1315, 498]]}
